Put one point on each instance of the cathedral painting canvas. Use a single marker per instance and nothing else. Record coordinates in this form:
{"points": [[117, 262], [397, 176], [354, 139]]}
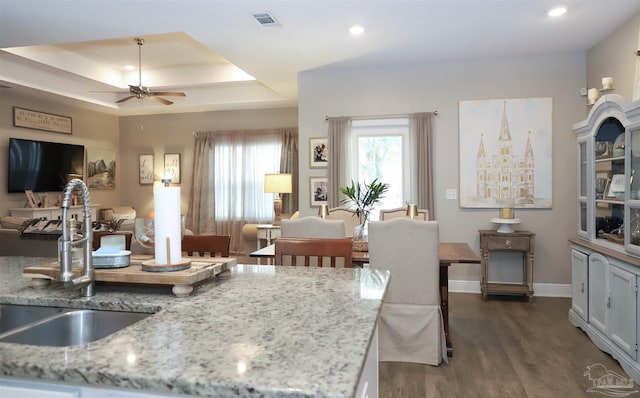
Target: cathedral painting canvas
{"points": [[505, 153]]}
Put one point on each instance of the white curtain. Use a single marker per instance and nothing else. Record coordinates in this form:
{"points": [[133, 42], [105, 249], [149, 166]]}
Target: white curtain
{"points": [[228, 181]]}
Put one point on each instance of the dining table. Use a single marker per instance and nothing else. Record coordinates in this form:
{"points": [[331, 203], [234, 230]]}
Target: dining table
{"points": [[448, 252]]}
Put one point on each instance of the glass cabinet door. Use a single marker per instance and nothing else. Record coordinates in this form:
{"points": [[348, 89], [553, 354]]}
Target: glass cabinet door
{"points": [[632, 227], [582, 189]]}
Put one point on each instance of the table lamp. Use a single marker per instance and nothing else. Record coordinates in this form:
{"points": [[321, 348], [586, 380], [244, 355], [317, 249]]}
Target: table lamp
{"points": [[323, 211], [277, 183]]}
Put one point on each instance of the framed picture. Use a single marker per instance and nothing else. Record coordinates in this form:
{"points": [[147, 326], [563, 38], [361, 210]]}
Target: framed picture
{"points": [[31, 198], [101, 169], [506, 153], [616, 189], [146, 169], [318, 191], [318, 152], [172, 167]]}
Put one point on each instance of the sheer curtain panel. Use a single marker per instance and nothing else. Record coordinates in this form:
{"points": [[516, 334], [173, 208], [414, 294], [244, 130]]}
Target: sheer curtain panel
{"points": [[228, 181]]}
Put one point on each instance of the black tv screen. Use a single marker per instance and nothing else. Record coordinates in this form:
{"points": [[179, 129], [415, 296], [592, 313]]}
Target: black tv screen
{"points": [[42, 166]]}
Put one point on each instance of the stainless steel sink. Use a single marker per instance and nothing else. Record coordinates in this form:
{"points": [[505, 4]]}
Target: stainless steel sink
{"points": [[74, 327], [14, 316]]}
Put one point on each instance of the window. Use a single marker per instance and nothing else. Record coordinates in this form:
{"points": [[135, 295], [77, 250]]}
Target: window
{"points": [[240, 163], [383, 147]]}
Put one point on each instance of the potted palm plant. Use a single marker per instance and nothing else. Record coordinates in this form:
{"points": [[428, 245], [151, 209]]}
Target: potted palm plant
{"points": [[363, 197]]}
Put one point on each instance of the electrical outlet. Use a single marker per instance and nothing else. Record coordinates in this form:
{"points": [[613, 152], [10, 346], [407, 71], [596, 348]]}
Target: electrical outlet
{"points": [[452, 194]]}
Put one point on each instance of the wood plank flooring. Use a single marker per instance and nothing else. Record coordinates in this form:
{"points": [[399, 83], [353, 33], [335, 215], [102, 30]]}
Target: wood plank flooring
{"points": [[504, 347]]}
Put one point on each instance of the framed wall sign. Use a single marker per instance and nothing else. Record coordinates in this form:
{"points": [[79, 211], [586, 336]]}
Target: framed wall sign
{"points": [[172, 167], [318, 191], [146, 169], [41, 121], [318, 152]]}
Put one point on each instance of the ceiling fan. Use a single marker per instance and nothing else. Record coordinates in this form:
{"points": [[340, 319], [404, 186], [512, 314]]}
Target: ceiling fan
{"points": [[141, 91]]}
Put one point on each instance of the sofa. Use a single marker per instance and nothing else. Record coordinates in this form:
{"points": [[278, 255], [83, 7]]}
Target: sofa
{"points": [[11, 244]]}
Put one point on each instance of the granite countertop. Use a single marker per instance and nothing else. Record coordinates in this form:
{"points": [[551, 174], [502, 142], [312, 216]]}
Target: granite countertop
{"points": [[260, 331]]}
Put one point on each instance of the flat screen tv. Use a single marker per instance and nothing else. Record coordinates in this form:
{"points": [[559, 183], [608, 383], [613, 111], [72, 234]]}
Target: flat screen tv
{"points": [[42, 166]]}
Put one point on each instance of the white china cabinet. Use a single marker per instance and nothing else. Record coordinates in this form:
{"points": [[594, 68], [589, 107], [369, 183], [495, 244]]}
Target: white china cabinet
{"points": [[605, 256]]}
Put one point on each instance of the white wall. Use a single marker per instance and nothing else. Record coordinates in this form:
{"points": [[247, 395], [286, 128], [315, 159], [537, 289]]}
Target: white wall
{"points": [[173, 133], [92, 129], [395, 89], [615, 56]]}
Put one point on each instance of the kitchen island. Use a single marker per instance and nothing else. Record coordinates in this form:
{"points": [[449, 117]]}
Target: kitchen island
{"points": [[260, 331]]}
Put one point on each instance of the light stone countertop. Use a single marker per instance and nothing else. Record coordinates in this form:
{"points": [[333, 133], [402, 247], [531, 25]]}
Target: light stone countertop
{"points": [[255, 331]]}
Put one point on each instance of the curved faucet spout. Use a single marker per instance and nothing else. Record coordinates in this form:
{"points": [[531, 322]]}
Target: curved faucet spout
{"points": [[87, 280]]}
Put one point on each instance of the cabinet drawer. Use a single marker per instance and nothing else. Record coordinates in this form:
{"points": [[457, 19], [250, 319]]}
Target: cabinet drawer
{"points": [[518, 243]]}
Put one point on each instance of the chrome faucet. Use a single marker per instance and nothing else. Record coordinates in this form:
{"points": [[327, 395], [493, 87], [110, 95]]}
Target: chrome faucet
{"points": [[86, 281]]}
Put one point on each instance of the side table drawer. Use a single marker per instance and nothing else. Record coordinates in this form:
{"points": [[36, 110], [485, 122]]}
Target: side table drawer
{"points": [[516, 243]]}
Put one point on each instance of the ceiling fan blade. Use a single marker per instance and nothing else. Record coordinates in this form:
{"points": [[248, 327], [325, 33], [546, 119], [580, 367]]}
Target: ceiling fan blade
{"points": [[170, 93], [125, 99], [160, 100]]}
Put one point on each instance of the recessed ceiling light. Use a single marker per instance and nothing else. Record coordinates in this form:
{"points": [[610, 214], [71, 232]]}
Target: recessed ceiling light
{"points": [[356, 30], [557, 11], [129, 67]]}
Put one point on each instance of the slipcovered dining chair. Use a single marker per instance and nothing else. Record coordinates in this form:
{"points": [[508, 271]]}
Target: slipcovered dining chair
{"points": [[312, 227], [348, 216], [411, 327], [401, 212], [206, 244], [309, 249]]}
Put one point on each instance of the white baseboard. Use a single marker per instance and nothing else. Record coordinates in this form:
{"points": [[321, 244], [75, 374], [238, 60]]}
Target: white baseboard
{"points": [[540, 289]]}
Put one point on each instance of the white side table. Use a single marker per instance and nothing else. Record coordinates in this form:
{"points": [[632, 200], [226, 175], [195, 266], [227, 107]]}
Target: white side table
{"points": [[268, 233]]}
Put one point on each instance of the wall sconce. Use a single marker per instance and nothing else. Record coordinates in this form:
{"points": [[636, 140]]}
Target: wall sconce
{"points": [[412, 211], [323, 211]]}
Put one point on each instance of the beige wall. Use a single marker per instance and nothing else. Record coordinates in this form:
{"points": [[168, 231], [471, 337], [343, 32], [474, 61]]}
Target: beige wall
{"points": [[615, 56], [395, 89], [173, 133], [92, 129]]}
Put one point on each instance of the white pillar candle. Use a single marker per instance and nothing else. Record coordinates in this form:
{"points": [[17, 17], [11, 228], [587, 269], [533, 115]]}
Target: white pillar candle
{"points": [[167, 225], [607, 83], [592, 95]]}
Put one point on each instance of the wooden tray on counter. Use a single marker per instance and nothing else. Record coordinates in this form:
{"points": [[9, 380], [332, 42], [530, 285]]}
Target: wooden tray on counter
{"points": [[202, 268]]}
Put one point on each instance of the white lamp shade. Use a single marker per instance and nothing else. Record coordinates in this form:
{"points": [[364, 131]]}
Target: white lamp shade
{"points": [[277, 183]]}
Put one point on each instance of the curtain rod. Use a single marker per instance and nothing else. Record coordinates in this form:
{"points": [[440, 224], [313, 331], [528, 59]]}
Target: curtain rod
{"points": [[377, 116]]}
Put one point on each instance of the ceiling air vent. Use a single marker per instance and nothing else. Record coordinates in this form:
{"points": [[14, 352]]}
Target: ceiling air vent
{"points": [[265, 19]]}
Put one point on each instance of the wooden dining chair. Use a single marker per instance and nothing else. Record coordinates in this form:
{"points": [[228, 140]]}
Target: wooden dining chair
{"points": [[319, 249], [202, 244]]}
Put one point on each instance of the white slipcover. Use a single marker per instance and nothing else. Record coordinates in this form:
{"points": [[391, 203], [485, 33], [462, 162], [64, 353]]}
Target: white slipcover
{"points": [[348, 216], [388, 214], [411, 328], [312, 227]]}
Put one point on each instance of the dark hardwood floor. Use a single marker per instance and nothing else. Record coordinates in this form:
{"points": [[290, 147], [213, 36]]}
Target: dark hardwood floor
{"points": [[504, 347]]}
